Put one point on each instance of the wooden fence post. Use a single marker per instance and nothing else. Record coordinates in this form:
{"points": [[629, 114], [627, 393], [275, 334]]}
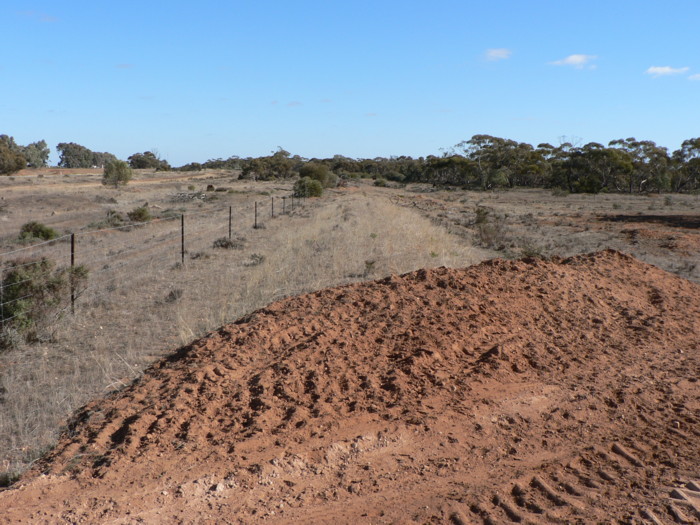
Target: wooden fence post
{"points": [[72, 270], [182, 239]]}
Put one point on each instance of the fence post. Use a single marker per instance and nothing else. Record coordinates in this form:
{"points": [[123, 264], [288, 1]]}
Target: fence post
{"points": [[230, 208], [255, 224], [182, 239], [284, 205], [2, 299], [272, 201], [72, 270]]}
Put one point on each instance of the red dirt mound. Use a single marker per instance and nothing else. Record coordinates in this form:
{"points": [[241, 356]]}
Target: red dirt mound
{"points": [[562, 391]]}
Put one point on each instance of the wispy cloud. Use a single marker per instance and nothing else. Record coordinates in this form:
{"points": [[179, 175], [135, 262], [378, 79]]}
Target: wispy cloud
{"points": [[578, 61], [294, 103], [371, 114], [39, 17], [124, 66], [500, 53], [696, 76], [663, 71]]}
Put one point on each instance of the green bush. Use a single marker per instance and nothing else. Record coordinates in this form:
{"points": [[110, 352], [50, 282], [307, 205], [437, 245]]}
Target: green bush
{"points": [[307, 187], [117, 173], [381, 182], [32, 290], [140, 214], [36, 230], [395, 176]]}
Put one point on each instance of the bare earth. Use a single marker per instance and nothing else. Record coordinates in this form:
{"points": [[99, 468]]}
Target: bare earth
{"points": [[558, 391]]}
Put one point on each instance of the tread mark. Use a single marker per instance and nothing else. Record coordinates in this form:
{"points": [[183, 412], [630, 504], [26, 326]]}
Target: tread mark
{"points": [[620, 451], [549, 492]]}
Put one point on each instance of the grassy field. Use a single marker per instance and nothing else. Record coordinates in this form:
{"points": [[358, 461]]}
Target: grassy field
{"points": [[141, 302]]}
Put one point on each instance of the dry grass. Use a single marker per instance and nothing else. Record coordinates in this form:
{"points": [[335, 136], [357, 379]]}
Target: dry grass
{"points": [[142, 303]]}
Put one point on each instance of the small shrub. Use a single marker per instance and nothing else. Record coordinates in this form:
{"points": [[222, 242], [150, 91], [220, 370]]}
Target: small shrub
{"points": [[532, 251], [395, 176], [482, 215], [35, 230], [8, 478], [668, 201], [315, 171], [174, 295], [559, 192], [490, 228], [114, 219], [381, 182], [34, 289], [190, 187], [229, 244], [332, 181], [307, 187], [256, 259], [117, 173], [140, 214]]}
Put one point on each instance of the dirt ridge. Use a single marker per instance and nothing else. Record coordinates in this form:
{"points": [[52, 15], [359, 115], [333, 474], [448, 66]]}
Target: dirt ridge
{"points": [[560, 390]]}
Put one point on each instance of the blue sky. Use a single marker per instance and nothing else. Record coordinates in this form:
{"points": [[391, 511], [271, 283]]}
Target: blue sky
{"points": [[208, 79]]}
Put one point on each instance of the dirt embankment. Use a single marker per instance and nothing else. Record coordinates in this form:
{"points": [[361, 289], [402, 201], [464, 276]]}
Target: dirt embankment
{"points": [[562, 391]]}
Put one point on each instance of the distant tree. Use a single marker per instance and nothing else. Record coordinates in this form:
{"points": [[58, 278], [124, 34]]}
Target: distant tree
{"points": [[117, 172], [278, 165], [11, 159], [316, 171], [192, 166], [651, 164], [74, 156], [148, 160], [453, 170], [99, 160], [686, 166], [498, 161], [37, 154]]}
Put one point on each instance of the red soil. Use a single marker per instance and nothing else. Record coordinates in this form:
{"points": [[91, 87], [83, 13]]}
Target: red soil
{"points": [[561, 391]]}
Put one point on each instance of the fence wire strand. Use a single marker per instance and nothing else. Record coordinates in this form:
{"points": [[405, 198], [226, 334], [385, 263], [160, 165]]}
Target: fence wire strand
{"points": [[196, 234]]}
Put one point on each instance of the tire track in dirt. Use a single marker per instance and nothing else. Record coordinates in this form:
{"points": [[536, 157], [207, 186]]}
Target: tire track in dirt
{"points": [[533, 391]]}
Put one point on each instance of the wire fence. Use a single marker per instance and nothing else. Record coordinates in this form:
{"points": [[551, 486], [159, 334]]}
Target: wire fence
{"points": [[114, 257]]}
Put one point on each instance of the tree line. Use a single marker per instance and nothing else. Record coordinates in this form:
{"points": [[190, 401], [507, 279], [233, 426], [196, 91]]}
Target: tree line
{"points": [[487, 162], [482, 162]]}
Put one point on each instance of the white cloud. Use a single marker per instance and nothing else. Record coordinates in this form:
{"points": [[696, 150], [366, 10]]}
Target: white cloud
{"points": [[578, 61], [696, 76], [660, 71], [498, 54]]}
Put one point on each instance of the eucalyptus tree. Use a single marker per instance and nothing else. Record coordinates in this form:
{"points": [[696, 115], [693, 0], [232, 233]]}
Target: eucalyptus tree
{"points": [[651, 165], [686, 166]]}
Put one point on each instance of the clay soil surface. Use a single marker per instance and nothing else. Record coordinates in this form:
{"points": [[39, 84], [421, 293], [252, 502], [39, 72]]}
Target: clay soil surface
{"points": [[532, 391]]}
